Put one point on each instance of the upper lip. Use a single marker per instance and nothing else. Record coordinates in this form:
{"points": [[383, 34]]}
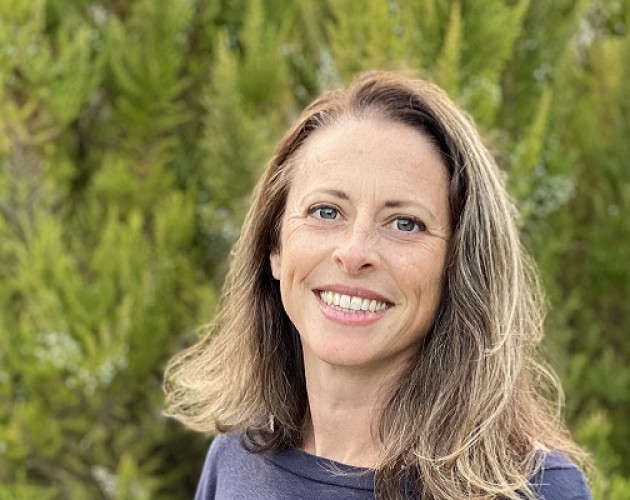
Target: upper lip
{"points": [[364, 293]]}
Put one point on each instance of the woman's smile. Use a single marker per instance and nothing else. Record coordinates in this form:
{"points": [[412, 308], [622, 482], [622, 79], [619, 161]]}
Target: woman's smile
{"points": [[351, 307]]}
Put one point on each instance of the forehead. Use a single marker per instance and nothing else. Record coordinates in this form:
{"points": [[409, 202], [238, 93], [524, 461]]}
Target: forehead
{"points": [[353, 151]]}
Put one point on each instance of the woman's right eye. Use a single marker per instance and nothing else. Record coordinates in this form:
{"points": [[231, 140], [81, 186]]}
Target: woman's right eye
{"points": [[324, 212]]}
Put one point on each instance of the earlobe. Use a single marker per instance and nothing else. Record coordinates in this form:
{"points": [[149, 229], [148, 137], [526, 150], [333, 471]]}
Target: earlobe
{"points": [[274, 260]]}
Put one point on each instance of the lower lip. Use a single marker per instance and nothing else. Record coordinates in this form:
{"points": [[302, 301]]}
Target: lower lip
{"points": [[359, 318]]}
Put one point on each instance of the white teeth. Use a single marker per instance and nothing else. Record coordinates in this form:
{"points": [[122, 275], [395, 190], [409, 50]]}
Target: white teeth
{"points": [[344, 301], [355, 303], [351, 303]]}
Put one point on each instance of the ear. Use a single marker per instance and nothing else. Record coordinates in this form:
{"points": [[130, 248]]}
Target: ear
{"points": [[275, 260]]}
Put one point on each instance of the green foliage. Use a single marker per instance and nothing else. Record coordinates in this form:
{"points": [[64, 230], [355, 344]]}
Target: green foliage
{"points": [[146, 56], [447, 73], [131, 134], [365, 35], [578, 193]]}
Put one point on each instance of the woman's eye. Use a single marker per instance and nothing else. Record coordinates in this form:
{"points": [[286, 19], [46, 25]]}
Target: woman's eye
{"points": [[408, 225], [325, 213]]}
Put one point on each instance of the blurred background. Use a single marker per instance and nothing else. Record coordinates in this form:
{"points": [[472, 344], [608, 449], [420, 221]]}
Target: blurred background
{"points": [[131, 132]]}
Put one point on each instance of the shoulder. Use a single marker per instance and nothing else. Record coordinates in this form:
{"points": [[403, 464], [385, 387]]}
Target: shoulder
{"points": [[559, 479], [224, 449], [224, 444], [225, 452]]}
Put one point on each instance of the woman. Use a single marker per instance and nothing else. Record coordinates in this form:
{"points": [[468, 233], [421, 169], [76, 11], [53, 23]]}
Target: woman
{"points": [[378, 323]]}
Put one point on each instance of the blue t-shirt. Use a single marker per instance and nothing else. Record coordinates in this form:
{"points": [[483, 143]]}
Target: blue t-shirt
{"points": [[233, 473]]}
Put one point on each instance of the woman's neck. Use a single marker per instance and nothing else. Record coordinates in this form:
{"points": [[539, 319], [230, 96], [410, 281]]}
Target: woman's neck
{"points": [[344, 410]]}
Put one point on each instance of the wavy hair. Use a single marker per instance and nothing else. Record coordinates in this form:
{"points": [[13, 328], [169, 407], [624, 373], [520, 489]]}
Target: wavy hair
{"points": [[470, 414]]}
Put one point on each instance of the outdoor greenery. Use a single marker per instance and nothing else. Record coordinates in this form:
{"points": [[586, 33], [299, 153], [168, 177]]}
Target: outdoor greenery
{"points": [[131, 133]]}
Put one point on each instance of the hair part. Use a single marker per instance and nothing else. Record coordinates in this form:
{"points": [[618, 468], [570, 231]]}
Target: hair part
{"points": [[472, 411]]}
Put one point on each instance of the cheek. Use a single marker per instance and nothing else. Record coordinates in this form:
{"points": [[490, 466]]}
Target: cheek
{"points": [[301, 241], [299, 256], [424, 276]]}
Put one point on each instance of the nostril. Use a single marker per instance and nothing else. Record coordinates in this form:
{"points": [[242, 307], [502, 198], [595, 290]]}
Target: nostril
{"points": [[354, 258]]}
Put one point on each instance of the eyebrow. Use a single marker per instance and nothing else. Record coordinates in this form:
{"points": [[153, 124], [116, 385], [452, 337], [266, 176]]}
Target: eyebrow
{"points": [[338, 193]]}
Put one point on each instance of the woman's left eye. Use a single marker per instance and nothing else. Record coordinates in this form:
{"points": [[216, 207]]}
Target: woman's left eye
{"points": [[324, 212], [408, 225]]}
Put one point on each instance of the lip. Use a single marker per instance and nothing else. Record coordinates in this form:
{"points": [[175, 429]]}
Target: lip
{"points": [[364, 293]]}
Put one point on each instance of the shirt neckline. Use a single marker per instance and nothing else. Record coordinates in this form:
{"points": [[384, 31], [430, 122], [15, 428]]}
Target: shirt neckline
{"points": [[323, 470]]}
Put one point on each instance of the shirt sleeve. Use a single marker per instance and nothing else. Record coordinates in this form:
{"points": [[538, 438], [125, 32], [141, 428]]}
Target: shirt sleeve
{"points": [[206, 488], [561, 480]]}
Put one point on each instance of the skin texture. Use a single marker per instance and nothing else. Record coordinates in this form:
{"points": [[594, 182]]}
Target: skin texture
{"points": [[367, 214]]}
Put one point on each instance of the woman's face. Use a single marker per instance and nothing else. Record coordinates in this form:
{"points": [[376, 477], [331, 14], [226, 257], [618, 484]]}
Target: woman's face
{"points": [[363, 243]]}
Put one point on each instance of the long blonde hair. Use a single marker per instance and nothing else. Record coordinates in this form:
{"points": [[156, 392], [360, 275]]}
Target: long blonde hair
{"points": [[471, 412]]}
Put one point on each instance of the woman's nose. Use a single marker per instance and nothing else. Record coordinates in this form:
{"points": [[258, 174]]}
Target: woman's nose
{"points": [[357, 251]]}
